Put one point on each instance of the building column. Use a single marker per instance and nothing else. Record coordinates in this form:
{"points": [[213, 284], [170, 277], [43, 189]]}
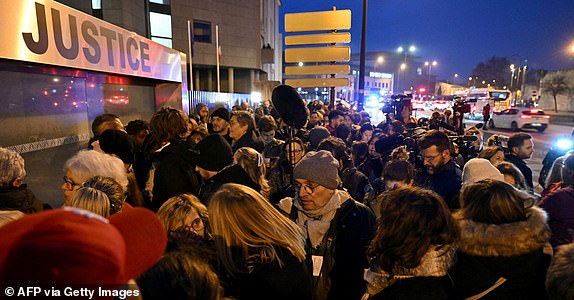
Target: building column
{"points": [[210, 80], [230, 80], [196, 80]]}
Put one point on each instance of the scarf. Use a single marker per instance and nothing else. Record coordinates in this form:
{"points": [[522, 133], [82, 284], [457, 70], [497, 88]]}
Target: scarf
{"points": [[316, 222]]}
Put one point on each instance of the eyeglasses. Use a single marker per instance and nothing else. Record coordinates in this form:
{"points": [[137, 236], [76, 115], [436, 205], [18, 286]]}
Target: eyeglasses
{"points": [[69, 183], [429, 158], [309, 189], [197, 225]]}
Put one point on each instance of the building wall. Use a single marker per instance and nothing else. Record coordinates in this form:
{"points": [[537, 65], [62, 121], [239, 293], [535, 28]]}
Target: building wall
{"points": [[565, 101], [127, 14], [239, 29]]}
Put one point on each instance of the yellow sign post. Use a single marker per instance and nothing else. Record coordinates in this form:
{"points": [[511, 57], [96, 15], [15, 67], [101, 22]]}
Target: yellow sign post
{"points": [[322, 50]]}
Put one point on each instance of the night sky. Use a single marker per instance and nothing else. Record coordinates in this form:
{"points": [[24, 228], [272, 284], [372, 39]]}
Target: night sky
{"points": [[459, 34]]}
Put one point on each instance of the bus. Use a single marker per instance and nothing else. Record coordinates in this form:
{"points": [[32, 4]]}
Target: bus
{"points": [[477, 98]]}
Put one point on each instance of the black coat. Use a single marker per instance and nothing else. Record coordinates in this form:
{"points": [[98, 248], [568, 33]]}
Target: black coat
{"points": [[446, 182], [428, 288], [249, 139], [268, 280], [345, 261], [230, 174], [514, 251], [22, 199], [524, 169], [174, 174]]}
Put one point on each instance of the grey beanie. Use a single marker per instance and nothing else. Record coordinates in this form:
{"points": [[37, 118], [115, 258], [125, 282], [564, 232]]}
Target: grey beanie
{"points": [[317, 135], [320, 167]]}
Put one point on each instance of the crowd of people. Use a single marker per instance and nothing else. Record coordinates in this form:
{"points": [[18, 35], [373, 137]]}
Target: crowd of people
{"points": [[236, 204]]}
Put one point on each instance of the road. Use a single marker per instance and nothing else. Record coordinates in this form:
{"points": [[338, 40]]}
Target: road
{"points": [[542, 141]]}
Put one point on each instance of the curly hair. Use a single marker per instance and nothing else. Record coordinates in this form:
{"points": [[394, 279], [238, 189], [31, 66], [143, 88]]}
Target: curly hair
{"points": [[111, 188], [11, 167], [413, 220], [174, 212], [169, 124]]}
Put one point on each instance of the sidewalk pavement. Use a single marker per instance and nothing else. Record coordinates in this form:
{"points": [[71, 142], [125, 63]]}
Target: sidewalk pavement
{"points": [[561, 118]]}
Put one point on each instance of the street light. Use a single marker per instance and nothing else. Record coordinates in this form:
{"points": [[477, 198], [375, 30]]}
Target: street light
{"points": [[380, 60], [430, 65], [512, 69], [411, 50]]}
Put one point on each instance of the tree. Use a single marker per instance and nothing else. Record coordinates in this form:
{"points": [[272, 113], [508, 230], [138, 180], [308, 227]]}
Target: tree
{"points": [[494, 71], [555, 86]]}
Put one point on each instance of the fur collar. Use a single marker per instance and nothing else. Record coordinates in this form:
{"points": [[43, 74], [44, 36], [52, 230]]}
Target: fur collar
{"points": [[511, 239], [435, 263]]}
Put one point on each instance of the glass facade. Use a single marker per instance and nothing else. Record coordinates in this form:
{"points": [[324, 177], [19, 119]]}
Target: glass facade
{"points": [[160, 25], [46, 114]]}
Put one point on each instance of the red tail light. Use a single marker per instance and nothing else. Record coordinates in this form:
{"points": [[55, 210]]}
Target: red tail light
{"points": [[546, 117]]}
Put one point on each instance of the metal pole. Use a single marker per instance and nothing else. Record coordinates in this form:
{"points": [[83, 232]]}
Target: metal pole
{"points": [[217, 56], [361, 101]]}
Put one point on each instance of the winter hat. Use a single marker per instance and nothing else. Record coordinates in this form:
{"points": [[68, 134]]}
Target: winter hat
{"points": [[478, 169], [317, 135], [72, 246], [213, 153], [117, 143], [222, 113], [320, 167]]}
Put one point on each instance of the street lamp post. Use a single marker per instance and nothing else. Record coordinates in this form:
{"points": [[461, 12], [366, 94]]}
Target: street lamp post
{"points": [[512, 69], [430, 65], [403, 66]]}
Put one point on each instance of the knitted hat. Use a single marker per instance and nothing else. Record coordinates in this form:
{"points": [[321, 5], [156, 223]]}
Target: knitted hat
{"points": [[118, 143], [317, 135], [222, 113], [320, 167], [478, 169], [71, 246], [213, 153]]}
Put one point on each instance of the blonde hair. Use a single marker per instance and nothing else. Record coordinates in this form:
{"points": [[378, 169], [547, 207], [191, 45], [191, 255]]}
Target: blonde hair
{"points": [[91, 199], [244, 219], [175, 210], [253, 163], [7, 216]]}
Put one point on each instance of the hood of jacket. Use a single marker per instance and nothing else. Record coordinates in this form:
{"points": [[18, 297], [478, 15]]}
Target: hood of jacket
{"points": [[511, 239], [234, 174]]}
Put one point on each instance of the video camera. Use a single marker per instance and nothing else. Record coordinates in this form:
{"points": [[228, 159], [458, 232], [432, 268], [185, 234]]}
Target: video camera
{"points": [[461, 106], [396, 104]]}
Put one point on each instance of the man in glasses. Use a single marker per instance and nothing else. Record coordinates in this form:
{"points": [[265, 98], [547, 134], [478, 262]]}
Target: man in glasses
{"points": [[338, 229], [441, 174]]}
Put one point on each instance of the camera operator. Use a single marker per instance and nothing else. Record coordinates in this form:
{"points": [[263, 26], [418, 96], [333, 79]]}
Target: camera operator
{"points": [[440, 174], [437, 121]]}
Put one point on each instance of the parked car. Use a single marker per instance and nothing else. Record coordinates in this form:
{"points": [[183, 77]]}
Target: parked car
{"points": [[517, 118]]}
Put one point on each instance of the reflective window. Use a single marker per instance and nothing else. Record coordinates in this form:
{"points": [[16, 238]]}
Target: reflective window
{"points": [[163, 41], [201, 31], [166, 2], [160, 25], [96, 4]]}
